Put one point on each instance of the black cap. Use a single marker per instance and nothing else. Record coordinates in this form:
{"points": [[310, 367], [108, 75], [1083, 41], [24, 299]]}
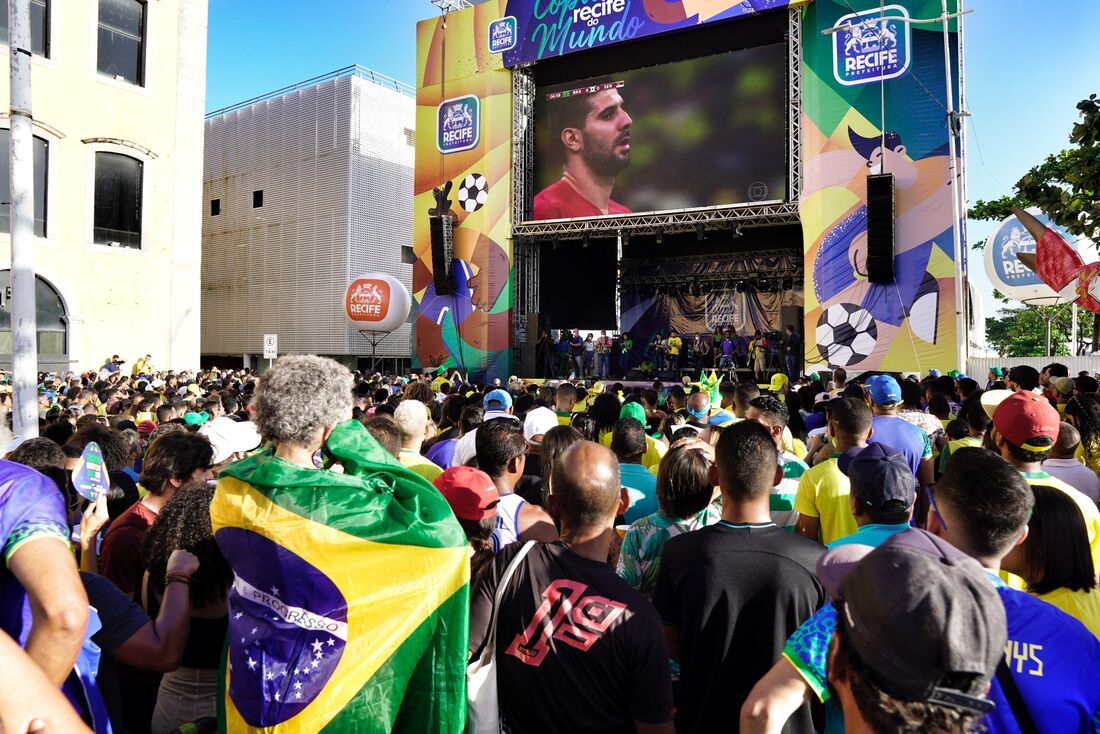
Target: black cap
{"points": [[920, 613], [881, 477]]}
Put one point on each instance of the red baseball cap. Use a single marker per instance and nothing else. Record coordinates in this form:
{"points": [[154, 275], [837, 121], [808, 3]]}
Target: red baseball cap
{"points": [[146, 427], [469, 491], [1025, 416]]}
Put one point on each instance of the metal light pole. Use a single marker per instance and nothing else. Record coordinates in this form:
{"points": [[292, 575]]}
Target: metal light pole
{"points": [[958, 220], [24, 347]]}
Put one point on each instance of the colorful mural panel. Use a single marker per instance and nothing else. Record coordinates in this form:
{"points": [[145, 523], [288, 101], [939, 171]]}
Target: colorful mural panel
{"points": [[855, 125], [464, 135]]}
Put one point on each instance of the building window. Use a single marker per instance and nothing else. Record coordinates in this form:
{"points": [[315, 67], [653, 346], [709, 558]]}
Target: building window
{"points": [[41, 158], [215, 207], [410, 137], [257, 198], [117, 218], [122, 40], [40, 26], [51, 321]]}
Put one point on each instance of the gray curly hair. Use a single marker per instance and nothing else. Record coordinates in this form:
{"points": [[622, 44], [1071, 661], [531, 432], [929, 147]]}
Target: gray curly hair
{"points": [[299, 396]]}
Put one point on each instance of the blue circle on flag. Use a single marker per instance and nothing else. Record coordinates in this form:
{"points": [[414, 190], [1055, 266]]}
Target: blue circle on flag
{"points": [[287, 628]]}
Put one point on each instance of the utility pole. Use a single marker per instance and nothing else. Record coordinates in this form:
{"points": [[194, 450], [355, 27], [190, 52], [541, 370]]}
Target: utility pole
{"points": [[24, 345], [958, 219]]}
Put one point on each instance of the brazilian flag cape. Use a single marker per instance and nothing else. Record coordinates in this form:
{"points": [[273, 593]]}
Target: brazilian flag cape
{"points": [[349, 610]]}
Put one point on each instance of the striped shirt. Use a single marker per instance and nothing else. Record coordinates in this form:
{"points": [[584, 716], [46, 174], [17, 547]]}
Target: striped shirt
{"points": [[783, 494]]}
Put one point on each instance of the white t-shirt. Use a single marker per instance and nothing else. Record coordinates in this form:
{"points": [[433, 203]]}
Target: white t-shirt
{"points": [[506, 527], [1075, 474], [466, 447]]}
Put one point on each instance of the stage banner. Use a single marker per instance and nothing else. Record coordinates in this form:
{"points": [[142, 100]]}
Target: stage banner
{"points": [[464, 136], [533, 30], [644, 315], [874, 101]]}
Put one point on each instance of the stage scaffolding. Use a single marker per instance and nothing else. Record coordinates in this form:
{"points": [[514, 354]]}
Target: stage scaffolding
{"points": [[528, 236]]}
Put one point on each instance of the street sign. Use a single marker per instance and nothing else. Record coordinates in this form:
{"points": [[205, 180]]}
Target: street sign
{"points": [[271, 346]]}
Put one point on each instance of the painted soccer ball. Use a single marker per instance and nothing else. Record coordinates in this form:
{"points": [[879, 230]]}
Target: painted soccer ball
{"points": [[846, 334], [473, 192]]}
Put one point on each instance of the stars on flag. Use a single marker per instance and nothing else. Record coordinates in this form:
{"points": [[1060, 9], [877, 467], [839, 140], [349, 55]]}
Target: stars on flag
{"points": [[251, 663], [316, 645], [238, 615], [274, 590]]}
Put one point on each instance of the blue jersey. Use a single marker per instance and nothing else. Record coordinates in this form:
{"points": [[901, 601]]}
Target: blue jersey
{"points": [[1053, 658]]}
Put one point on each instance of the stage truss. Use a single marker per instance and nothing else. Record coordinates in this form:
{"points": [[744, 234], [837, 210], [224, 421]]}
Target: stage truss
{"points": [[722, 271], [761, 214]]}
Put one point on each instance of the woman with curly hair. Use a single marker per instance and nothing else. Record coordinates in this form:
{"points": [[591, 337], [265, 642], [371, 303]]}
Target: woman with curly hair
{"points": [[191, 691], [417, 390], [1083, 413]]}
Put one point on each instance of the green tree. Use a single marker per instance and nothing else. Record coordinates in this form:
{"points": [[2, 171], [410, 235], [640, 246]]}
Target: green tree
{"points": [[1021, 332], [1065, 187]]}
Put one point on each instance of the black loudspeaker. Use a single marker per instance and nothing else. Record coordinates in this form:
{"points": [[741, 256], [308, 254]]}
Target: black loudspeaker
{"points": [[791, 315], [441, 227], [880, 228]]}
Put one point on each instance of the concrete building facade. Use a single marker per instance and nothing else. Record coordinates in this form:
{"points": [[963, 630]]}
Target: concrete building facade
{"points": [[303, 190], [118, 96]]}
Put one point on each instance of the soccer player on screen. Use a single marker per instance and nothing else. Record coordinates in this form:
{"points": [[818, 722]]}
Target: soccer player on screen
{"points": [[594, 132]]}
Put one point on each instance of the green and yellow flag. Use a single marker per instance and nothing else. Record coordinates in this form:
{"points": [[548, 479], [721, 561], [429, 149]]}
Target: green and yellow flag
{"points": [[709, 385], [349, 610]]}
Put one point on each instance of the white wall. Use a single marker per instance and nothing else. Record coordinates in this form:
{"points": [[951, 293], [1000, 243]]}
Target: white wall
{"points": [[336, 170]]}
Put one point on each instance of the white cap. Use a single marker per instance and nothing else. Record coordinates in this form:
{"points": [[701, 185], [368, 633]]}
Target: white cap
{"points": [[228, 436], [537, 423]]}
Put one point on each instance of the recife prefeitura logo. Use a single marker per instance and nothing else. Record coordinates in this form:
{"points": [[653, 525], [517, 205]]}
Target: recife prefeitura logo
{"points": [[871, 45], [458, 124], [503, 35]]}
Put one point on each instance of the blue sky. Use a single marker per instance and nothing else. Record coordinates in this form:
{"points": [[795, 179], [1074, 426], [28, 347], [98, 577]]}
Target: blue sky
{"points": [[1027, 65]]}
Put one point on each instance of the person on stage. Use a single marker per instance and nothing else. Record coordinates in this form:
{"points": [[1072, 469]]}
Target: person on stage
{"points": [[756, 355], [576, 353], [675, 347], [624, 354], [603, 356], [594, 133]]}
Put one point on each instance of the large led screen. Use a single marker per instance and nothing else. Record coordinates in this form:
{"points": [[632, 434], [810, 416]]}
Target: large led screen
{"points": [[708, 131]]}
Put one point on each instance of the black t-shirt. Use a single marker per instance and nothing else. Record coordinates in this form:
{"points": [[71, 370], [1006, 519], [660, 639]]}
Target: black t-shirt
{"points": [[794, 344], [578, 650], [735, 594], [121, 618]]}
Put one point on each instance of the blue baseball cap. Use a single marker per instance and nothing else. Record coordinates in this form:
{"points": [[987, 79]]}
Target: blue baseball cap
{"points": [[884, 390], [501, 398]]}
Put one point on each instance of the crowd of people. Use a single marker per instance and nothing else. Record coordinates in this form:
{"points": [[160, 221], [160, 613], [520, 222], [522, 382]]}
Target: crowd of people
{"points": [[315, 547], [759, 355]]}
